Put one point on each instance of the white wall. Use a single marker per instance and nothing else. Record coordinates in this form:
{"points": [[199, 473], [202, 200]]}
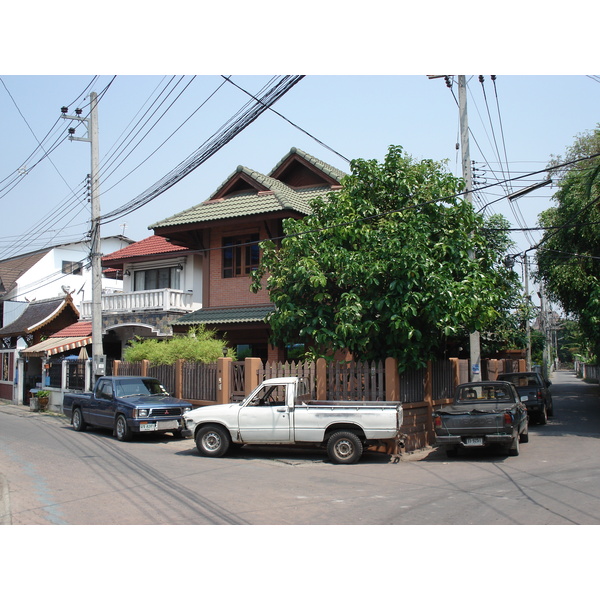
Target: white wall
{"points": [[46, 280]]}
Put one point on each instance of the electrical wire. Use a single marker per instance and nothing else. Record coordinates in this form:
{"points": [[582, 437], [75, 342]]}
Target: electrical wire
{"points": [[215, 143]]}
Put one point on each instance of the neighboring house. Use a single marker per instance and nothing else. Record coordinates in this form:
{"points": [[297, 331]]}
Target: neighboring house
{"points": [[225, 231], [161, 281], [39, 321], [50, 273]]}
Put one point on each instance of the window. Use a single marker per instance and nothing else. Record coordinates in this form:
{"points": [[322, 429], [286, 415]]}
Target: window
{"points": [[240, 255], [71, 268], [157, 279]]}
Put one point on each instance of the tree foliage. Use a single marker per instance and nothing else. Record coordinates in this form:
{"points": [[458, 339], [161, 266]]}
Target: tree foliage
{"points": [[394, 264], [568, 257], [197, 345]]}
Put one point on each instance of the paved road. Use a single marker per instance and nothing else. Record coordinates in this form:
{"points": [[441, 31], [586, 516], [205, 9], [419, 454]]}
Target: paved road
{"points": [[50, 474]]}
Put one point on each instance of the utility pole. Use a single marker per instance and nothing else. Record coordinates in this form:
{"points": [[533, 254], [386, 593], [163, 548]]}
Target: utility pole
{"points": [[91, 124], [527, 325], [474, 338]]}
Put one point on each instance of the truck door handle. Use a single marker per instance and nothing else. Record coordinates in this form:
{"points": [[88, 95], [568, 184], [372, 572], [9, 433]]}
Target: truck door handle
{"points": [[282, 409]]}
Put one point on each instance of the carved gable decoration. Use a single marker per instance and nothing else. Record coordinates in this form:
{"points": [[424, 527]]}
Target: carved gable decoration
{"points": [[239, 183]]}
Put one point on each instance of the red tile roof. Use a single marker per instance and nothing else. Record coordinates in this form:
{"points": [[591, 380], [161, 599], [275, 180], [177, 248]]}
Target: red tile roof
{"points": [[155, 244], [79, 329]]}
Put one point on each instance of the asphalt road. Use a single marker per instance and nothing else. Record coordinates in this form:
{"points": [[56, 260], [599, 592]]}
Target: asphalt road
{"points": [[51, 474]]}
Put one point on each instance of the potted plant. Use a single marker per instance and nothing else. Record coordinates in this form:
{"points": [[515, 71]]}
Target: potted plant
{"points": [[43, 396]]}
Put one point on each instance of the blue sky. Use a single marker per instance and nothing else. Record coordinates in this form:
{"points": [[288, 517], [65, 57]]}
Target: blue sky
{"points": [[526, 120], [366, 88]]}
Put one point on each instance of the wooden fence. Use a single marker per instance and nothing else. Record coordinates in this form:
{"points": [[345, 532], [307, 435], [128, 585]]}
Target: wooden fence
{"points": [[420, 391]]}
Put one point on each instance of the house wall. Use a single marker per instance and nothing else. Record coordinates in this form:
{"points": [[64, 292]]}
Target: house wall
{"points": [[234, 291], [45, 279], [190, 277]]}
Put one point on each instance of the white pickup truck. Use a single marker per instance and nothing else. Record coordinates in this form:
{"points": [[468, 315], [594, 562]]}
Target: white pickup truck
{"points": [[280, 411]]}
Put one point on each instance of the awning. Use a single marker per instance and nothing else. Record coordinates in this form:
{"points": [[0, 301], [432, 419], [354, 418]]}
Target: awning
{"points": [[56, 345]]}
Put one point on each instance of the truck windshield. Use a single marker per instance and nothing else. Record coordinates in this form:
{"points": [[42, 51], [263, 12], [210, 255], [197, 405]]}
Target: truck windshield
{"points": [[139, 387], [485, 393]]}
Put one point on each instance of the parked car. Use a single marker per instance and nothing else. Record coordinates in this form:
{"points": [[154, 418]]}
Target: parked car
{"points": [[281, 411], [484, 413], [534, 392], [128, 405]]}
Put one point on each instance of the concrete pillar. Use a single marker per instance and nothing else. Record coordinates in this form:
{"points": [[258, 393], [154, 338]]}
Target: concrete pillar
{"points": [[392, 380], [251, 378], [321, 377], [224, 380]]}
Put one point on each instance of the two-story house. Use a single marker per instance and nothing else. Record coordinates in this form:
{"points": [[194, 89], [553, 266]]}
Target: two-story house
{"points": [[225, 231], [161, 281]]}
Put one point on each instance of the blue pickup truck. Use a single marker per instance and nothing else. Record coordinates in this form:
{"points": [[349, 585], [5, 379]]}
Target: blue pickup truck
{"points": [[128, 405]]}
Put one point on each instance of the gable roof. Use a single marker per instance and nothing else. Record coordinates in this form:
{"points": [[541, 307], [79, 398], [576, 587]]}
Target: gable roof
{"points": [[247, 192], [37, 315], [154, 245], [13, 268]]}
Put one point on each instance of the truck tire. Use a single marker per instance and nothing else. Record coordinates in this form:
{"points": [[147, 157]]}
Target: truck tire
{"points": [[212, 441], [78, 423], [452, 451], [513, 449], [524, 436], [543, 416], [122, 430], [344, 447]]}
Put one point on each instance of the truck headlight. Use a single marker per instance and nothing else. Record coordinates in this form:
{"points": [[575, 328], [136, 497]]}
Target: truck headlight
{"points": [[187, 409], [140, 413]]}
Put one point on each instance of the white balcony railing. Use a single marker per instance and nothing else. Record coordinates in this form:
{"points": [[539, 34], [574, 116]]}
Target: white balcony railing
{"points": [[165, 300]]}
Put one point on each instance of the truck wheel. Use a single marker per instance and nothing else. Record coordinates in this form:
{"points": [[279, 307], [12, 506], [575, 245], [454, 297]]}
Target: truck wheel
{"points": [[344, 447], [452, 451], [513, 449], [122, 429], [212, 440], [524, 437], [78, 423]]}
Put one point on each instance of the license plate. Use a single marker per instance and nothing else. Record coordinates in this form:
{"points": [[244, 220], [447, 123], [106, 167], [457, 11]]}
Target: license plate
{"points": [[147, 426], [474, 442]]}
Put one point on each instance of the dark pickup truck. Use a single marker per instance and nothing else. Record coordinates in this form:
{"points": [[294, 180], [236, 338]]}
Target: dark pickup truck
{"points": [[485, 413], [535, 394], [128, 405]]}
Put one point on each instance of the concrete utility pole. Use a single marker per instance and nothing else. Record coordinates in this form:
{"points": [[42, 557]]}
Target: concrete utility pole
{"points": [[527, 325], [92, 136], [474, 339]]}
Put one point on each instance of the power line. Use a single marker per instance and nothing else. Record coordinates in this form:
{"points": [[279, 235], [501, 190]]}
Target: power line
{"points": [[215, 143]]}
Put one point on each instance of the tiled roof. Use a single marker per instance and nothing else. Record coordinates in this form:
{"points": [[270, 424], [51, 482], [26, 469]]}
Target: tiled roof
{"points": [[36, 315], [79, 329], [218, 316], [322, 166], [277, 197], [149, 246], [12, 268]]}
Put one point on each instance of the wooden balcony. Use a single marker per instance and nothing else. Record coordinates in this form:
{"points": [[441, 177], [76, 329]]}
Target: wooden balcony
{"points": [[165, 300]]}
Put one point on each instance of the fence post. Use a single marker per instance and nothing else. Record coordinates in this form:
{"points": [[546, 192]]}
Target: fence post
{"points": [[251, 368], [179, 378], [455, 371], [145, 364], [321, 376], [116, 364], [429, 400], [223, 379], [392, 380]]}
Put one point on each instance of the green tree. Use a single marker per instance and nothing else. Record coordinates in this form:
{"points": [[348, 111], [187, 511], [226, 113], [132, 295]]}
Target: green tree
{"points": [[197, 345], [568, 257], [394, 264]]}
